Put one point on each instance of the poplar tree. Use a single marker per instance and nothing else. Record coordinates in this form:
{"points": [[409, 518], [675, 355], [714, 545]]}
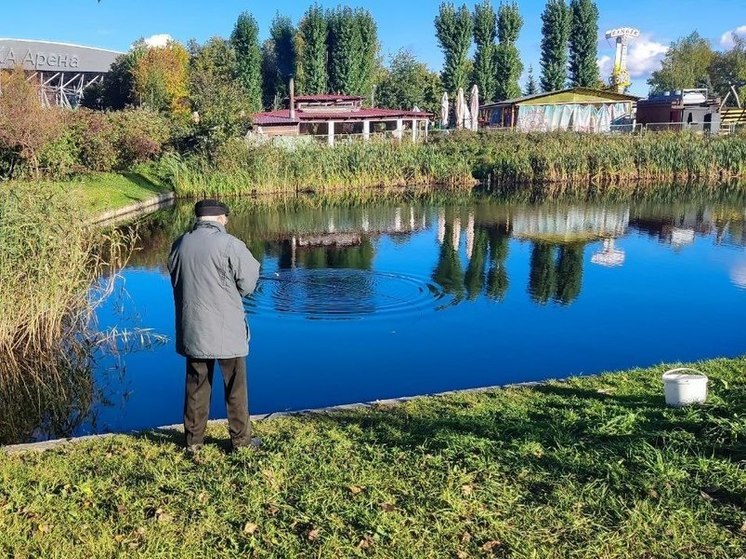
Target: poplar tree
{"points": [[245, 41], [485, 33], [531, 87], [454, 30], [584, 44], [278, 60], [509, 66], [353, 47], [311, 48], [555, 36]]}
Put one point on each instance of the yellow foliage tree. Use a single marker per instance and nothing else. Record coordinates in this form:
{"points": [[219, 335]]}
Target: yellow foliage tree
{"points": [[161, 77]]}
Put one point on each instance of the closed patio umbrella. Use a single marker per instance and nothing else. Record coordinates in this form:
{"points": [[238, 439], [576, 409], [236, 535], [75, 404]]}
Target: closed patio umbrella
{"points": [[474, 102], [444, 110]]}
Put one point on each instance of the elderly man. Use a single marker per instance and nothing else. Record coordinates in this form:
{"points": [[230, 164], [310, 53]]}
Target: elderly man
{"points": [[210, 273]]}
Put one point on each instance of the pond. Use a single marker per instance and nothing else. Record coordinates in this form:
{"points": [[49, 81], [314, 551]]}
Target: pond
{"points": [[399, 298]]}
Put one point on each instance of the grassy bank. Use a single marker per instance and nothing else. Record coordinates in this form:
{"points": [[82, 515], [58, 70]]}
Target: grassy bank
{"points": [[562, 163], [96, 193], [592, 467]]}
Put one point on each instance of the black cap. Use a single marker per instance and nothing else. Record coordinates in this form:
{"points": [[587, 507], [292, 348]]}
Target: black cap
{"points": [[209, 208]]}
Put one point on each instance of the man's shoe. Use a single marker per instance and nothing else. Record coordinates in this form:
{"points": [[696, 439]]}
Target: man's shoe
{"points": [[193, 449]]}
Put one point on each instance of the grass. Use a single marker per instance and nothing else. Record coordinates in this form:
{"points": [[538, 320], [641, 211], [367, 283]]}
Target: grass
{"points": [[96, 193], [591, 467]]}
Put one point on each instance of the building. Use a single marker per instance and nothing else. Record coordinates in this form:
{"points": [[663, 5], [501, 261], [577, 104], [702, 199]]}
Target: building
{"points": [[63, 71], [687, 109], [580, 109], [330, 116]]}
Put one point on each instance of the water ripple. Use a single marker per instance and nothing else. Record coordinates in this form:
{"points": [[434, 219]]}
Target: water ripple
{"points": [[344, 293]]}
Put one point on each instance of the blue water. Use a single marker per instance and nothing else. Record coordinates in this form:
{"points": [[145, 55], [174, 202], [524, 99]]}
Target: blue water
{"points": [[429, 298]]}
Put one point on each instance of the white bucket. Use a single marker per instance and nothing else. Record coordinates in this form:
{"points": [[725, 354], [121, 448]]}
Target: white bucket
{"points": [[684, 386]]}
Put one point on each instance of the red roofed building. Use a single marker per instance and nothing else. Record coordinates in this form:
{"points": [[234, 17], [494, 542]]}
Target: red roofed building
{"points": [[331, 116]]}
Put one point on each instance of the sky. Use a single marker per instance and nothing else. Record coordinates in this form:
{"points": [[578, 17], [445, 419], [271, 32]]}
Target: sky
{"points": [[116, 24]]}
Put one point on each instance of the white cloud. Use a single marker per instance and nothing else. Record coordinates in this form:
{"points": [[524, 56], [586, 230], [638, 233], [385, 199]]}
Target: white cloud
{"points": [[726, 40], [160, 40], [643, 57]]}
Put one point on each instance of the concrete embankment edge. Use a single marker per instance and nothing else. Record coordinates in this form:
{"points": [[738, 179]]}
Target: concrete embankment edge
{"points": [[134, 210], [58, 443]]}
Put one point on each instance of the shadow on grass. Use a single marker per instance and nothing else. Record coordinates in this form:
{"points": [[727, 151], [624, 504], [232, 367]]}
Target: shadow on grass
{"points": [[143, 182]]}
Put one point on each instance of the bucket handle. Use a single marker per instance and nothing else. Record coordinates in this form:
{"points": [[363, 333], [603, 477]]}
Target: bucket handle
{"points": [[681, 369]]}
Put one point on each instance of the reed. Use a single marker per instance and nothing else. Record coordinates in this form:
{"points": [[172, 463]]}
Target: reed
{"points": [[553, 164], [49, 260]]}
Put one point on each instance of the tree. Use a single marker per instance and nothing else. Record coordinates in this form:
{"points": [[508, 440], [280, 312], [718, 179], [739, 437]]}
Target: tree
{"points": [[245, 41], [531, 87], [118, 87], [497, 277], [584, 44], [216, 94], [25, 126], [453, 30], [542, 280], [485, 59], [278, 61], [555, 35], [569, 273], [408, 83], [160, 77], [311, 48], [474, 277], [728, 68], [686, 64], [509, 66], [353, 46]]}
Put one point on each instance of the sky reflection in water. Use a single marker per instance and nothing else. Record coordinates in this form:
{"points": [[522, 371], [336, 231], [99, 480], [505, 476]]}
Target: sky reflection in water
{"points": [[412, 298]]}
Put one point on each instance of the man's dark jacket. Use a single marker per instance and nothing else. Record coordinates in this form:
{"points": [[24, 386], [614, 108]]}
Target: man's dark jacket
{"points": [[210, 272]]}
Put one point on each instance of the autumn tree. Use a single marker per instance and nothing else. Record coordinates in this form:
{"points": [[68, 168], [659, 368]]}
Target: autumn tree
{"points": [[311, 49], [555, 35], [509, 66], [25, 126], [222, 107], [245, 41], [454, 31], [485, 57], [160, 77], [584, 44]]}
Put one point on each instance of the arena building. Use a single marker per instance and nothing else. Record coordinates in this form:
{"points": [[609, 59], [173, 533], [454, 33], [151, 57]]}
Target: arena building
{"points": [[63, 71]]}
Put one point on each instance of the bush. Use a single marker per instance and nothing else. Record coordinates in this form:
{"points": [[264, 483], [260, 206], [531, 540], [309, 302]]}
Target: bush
{"points": [[139, 135]]}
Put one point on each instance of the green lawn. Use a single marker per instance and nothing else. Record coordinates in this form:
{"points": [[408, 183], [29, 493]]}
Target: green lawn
{"points": [[100, 192], [592, 467]]}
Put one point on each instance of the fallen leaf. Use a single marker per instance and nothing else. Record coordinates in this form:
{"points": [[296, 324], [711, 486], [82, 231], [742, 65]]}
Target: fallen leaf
{"points": [[203, 497], [465, 537], [162, 516], [119, 538], [272, 509], [313, 534], [44, 528], [462, 555], [467, 489], [249, 528], [653, 493], [365, 543], [743, 527], [356, 489], [387, 507], [490, 545]]}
